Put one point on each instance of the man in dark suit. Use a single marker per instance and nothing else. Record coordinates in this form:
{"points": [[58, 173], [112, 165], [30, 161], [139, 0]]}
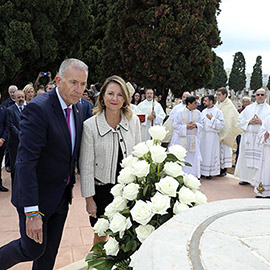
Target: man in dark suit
{"points": [[11, 99], [14, 115], [7, 103], [3, 139], [86, 108], [50, 134]]}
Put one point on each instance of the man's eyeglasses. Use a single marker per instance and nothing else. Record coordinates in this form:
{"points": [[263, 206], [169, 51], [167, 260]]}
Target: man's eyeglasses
{"points": [[259, 95]]}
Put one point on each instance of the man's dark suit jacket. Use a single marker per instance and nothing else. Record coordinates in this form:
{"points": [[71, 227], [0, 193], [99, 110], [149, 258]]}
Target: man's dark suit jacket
{"points": [[14, 129], [8, 102], [86, 109], [4, 125], [44, 159]]}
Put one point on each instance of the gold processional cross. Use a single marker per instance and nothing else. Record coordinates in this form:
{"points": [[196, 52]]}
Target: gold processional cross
{"points": [[260, 188]]}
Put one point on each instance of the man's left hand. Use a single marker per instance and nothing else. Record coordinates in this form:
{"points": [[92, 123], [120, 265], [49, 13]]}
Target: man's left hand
{"points": [[258, 121], [34, 228]]}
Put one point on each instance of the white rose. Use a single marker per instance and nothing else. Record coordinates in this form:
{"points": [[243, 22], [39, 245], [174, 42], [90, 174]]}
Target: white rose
{"points": [[140, 150], [179, 207], [186, 195], [158, 153], [133, 259], [178, 150], [144, 231], [126, 176], [141, 212], [200, 197], [158, 132], [131, 191], [117, 190], [167, 186], [101, 226], [119, 203], [128, 161], [141, 168], [160, 203], [110, 211], [149, 143], [173, 169], [191, 181], [111, 247], [119, 224]]}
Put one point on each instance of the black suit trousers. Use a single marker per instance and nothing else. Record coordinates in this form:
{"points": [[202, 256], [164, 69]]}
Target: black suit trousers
{"points": [[2, 152], [25, 249]]}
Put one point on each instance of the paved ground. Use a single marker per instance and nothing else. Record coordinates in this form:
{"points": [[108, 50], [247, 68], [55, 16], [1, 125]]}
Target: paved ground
{"points": [[77, 236]]}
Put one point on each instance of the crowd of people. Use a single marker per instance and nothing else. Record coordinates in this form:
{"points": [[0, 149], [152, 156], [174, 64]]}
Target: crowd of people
{"points": [[48, 132]]}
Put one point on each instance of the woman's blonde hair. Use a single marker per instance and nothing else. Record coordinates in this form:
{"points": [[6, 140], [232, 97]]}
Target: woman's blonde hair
{"points": [[100, 106], [27, 88]]}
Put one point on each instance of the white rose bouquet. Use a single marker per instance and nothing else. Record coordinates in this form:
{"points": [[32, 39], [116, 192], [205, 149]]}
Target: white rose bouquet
{"points": [[151, 189]]}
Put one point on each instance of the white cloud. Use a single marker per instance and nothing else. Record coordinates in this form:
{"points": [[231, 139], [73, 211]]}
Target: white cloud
{"points": [[244, 27]]}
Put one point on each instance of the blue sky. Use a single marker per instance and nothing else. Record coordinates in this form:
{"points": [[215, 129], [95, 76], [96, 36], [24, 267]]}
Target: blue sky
{"points": [[245, 27]]}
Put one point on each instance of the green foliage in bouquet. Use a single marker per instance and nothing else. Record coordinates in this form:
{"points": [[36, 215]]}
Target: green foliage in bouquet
{"points": [[151, 189]]}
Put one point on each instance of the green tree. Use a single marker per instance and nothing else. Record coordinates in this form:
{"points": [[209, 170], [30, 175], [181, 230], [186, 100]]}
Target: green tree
{"points": [[38, 35], [268, 84], [256, 76], [93, 55], [162, 44], [237, 79], [220, 75]]}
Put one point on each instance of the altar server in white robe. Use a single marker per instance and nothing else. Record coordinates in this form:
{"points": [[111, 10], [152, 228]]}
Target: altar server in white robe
{"points": [[229, 132], [250, 121], [187, 125], [131, 91], [168, 122], [262, 177], [154, 113], [213, 121]]}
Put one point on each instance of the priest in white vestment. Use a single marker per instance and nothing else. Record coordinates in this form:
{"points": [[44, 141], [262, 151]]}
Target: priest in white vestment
{"points": [[213, 121], [187, 125], [154, 113], [250, 121], [262, 177], [180, 106], [229, 132]]}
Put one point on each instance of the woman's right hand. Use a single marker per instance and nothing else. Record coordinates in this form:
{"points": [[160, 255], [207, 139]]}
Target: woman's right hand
{"points": [[91, 207]]}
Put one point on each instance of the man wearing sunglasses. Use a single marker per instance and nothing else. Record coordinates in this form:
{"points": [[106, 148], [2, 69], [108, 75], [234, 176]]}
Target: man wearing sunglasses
{"points": [[250, 121]]}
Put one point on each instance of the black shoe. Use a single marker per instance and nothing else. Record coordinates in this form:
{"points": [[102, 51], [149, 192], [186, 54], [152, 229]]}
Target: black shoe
{"points": [[243, 183], [223, 172], [208, 177], [261, 197], [8, 169], [3, 189]]}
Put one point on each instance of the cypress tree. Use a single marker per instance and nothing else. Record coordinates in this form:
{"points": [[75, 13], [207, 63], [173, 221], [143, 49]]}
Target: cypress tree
{"points": [[162, 44], [237, 79], [38, 35], [268, 84], [256, 76], [220, 76]]}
